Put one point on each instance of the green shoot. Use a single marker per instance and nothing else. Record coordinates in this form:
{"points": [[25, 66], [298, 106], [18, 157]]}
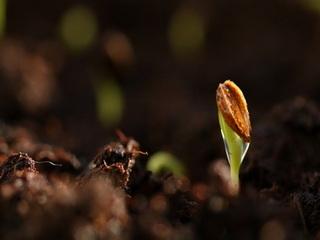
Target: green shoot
{"points": [[235, 126], [235, 148], [164, 161]]}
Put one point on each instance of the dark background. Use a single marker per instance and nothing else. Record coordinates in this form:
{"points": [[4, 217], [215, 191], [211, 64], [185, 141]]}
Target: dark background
{"points": [[160, 62]]}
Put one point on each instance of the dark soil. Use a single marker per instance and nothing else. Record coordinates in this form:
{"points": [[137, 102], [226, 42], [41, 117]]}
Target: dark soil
{"points": [[114, 197], [55, 184]]}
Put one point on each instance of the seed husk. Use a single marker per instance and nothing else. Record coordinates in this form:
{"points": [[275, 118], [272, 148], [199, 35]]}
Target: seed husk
{"points": [[233, 107]]}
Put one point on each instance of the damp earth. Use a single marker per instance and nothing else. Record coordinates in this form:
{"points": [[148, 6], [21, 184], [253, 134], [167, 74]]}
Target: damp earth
{"points": [[109, 127]]}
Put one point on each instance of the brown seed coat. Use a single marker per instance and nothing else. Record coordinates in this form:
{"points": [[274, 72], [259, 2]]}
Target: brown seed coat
{"points": [[233, 107]]}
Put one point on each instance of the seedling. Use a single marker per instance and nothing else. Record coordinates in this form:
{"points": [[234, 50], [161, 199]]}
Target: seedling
{"points": [[165, 161], [235, 126]]}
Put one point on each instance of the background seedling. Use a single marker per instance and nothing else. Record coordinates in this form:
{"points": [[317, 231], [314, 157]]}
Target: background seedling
{"points": [[165, 161]]}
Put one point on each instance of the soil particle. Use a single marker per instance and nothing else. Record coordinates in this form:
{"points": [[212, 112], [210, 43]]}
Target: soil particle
{"points": [[19, 164], [55, 159], [115, 161]]}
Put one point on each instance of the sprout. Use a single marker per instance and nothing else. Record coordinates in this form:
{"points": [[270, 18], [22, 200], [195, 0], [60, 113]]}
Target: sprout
{"points": [[235, 126], [164, 161]]}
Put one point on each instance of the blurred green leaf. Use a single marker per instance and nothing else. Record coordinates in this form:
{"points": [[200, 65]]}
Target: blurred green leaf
{"points": [[165, 161], [313, 4], [3, 8], [78, 28], [109, 101], [186, 32]]}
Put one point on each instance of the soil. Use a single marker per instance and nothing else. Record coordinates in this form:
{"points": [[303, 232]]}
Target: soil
{"points": [[115, 197], [66, 175]]}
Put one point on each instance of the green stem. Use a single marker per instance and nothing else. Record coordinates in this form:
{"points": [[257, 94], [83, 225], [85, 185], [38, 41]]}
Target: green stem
{"points": [[234, 149], [234, 169]]}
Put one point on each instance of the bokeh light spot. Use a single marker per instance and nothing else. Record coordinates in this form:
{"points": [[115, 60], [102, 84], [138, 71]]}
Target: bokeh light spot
{"points": [[109, 101], [119, 49], [272, 230], [313, 4], [186, 32], [78, 28], [3, 8], [165, 161]]}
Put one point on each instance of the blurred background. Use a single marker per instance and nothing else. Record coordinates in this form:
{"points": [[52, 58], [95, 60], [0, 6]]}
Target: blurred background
{"points": [[72, 72]]}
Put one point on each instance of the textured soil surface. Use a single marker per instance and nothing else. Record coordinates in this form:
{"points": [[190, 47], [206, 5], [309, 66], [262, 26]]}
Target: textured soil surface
{"points": [[66, 172], [46, 192]]}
